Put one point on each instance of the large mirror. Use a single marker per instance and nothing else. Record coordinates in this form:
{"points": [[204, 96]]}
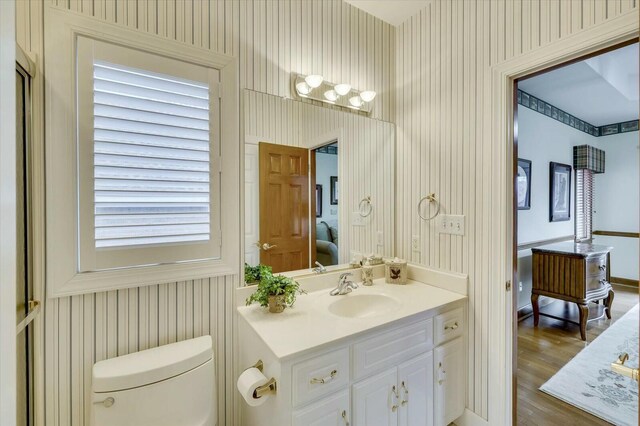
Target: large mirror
{"points": [[318, 184]]}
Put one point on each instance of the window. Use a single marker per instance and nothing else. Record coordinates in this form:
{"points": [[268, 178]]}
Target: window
{"points": [[137, 128], [151, 158], [147, 134], [584, 204]]}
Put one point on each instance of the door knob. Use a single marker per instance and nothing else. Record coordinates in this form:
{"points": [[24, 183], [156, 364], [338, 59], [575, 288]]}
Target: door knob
{"points": [[267, 246]]}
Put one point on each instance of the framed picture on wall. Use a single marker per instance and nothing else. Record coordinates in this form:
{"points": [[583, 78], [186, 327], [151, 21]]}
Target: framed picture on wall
{"points": [[334, 190], [559, 192], [523, 184], [318, 200]]}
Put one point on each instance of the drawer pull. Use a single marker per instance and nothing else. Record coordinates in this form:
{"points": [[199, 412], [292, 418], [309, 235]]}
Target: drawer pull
{"points": [[322, 381], [451, 327], [405, 399], [394, 407], [344, 417]]}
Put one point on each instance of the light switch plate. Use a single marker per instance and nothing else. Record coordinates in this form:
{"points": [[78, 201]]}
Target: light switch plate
{"points": [[357, 219], [451, 224]]}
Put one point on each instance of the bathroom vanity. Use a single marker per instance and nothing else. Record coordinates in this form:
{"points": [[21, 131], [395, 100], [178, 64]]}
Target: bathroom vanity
{"points": [[380, 355]]}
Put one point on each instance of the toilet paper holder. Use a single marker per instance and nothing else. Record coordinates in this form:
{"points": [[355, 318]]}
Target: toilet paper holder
{"points": [[268, 388]]}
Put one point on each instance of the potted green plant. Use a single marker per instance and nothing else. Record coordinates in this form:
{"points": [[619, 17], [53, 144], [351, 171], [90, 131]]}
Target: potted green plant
{"points": [[252, 274], [275, 292]]}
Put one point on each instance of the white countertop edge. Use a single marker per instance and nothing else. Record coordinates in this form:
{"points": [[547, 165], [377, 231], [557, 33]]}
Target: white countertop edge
{"points": [[286, 354]]}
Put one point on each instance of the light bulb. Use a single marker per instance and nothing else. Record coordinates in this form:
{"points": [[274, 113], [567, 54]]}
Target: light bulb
{"points": [[355, 101], [303, 88], [314, 80], [331, 95], [368, 95], [342, 89]]}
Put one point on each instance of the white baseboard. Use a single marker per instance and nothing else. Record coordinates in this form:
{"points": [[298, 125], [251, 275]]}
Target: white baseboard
{"points": [[469, 418]]}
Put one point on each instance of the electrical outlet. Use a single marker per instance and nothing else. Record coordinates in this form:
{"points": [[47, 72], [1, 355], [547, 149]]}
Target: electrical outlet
{"points": [[415, 242], [380, 238], [520, 286]]}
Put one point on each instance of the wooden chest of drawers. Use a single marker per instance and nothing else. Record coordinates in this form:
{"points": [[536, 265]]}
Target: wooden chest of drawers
{"points": [[574, 272]]}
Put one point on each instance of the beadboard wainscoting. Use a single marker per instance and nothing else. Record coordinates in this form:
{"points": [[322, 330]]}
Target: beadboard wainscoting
{"points": [[271, 39], [445, 59], [366, 165], [83, 329]]}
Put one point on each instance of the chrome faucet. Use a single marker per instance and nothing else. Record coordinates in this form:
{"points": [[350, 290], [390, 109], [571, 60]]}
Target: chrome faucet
{"points": [[319, 269], [345, 286]]}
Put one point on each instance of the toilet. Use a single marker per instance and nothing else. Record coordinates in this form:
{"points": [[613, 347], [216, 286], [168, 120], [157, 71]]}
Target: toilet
{"points": [[171, 385]]}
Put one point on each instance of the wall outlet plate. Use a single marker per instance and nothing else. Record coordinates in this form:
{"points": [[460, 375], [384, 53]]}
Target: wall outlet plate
{"points": [[380, 238], [415, 242]]}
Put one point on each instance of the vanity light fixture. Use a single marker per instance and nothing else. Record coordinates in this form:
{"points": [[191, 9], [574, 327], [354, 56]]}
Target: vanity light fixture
{"points": [[342, 88], [356, 101], [315, 87], [303, 88], [331, 95], [314, 80], [368, 95]]}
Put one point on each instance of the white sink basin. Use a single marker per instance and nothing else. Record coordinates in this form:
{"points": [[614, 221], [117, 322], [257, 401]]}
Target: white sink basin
{"points": [[363, 305]]}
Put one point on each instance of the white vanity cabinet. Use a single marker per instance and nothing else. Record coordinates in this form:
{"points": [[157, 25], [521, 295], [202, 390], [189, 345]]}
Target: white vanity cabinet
{"points": [[400, 396], [407, 373]]}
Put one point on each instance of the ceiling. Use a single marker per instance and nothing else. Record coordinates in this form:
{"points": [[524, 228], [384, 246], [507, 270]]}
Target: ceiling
{"points": [[600, 90], [395, 12]]}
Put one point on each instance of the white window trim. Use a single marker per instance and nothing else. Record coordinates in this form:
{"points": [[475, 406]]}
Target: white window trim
{"points": [[63, 278]]}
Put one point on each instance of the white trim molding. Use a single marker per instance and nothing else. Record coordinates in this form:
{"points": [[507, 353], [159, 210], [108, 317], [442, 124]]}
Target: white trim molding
{"points": [[8, 214], [608, 34], [63, 274]]}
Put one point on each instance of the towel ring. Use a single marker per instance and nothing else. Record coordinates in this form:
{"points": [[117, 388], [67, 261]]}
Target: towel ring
{"points": [[432, 199], [366, 201]]}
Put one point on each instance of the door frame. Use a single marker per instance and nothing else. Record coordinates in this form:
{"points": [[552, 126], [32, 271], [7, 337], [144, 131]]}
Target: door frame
{"points": [[334, 136], [8, 212], [502, 313]]}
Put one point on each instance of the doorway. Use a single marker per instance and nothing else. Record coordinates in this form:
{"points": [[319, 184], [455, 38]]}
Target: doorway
{"points": [[326, 203], [27, 309], [575, 291]]}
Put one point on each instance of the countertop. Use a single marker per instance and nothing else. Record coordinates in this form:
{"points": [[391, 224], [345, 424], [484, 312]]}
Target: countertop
{"points": [[310, 325]]}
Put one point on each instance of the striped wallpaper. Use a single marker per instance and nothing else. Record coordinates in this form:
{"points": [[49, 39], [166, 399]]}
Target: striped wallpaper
{"points": [[271, 39], [433, 78], [445, 56]]}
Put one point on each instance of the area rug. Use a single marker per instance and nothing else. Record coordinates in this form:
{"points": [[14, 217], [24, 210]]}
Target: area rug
{"points": [[588, 383]]}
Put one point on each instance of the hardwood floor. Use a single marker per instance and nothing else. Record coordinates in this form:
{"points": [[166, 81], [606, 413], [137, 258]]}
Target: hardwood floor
{"points": [[543, 350]]}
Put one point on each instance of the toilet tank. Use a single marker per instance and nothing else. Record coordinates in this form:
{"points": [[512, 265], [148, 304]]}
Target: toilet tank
{"points": [[171, 385]]}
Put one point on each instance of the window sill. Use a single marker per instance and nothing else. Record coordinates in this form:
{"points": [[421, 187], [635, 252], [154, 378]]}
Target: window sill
{"points": [[99, 281]]}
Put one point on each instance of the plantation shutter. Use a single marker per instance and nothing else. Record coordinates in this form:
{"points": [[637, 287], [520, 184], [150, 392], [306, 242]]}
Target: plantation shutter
{"points": [[151, 158]]}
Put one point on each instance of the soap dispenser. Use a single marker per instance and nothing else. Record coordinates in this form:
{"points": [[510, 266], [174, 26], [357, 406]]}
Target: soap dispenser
{"points": [[367, 273]]}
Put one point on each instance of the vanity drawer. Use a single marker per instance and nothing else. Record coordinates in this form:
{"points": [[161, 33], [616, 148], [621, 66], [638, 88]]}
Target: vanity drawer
{"points": [[391, 348], [316, 377], [449, 325], [597, 265]]}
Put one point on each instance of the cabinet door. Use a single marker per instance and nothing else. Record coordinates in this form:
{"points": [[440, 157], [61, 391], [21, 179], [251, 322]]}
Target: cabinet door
{"points": [[330, 411], [415, 378], [375, 400], [449, 382]]}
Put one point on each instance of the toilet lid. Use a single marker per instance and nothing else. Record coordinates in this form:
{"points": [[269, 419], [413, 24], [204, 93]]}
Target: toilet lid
{"points": [[151, 365]]}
